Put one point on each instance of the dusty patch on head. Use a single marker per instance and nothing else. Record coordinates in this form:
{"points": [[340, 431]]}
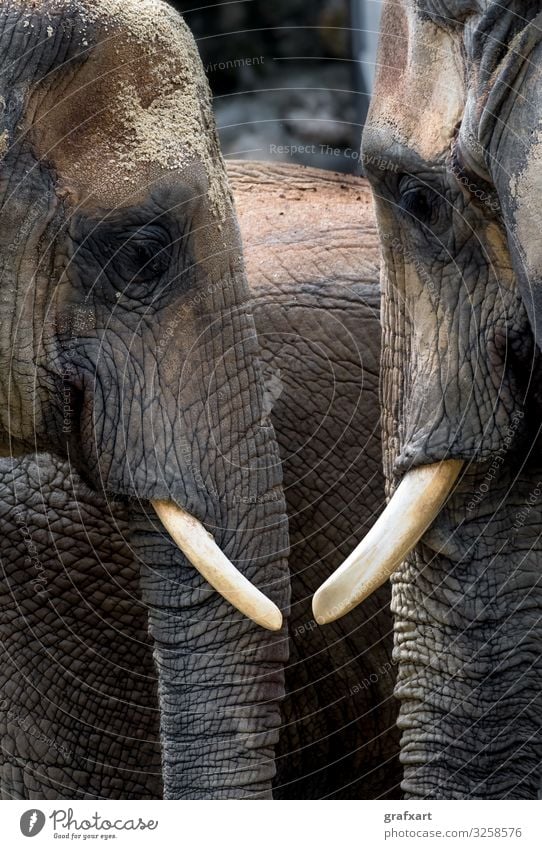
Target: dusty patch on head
{"points": [[137, 109], [420, 73], [526, 189]]}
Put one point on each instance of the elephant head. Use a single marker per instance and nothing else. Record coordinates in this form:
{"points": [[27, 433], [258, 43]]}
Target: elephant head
{"points": [[452, 151], [126, 345]]}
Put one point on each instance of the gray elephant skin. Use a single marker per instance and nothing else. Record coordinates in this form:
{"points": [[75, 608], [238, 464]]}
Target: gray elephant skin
{"points": [[452, 152], [81, 711], [127, 348]]}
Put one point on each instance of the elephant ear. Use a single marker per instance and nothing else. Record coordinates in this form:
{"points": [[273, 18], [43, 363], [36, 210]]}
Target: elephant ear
{"points": [[501, 134]]}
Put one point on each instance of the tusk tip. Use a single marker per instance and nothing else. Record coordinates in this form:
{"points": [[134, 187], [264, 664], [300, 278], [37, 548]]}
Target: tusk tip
{"points": [[333, 600], [273, 620], [322, 613]]}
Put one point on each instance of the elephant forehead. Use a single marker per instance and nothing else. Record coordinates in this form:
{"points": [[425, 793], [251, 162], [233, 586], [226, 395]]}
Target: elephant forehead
{"points": [[133, 106], [419, 92]]}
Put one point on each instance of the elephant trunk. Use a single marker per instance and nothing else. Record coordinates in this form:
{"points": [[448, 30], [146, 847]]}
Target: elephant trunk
{"points": [[467, 632], [195, 449], [220, 675]]}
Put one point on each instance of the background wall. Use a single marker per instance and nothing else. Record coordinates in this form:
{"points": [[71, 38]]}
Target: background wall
{"points": [[291, 78]]}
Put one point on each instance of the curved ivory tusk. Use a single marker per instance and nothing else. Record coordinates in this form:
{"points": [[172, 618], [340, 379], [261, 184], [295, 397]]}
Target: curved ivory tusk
{"points": [[411, 510], [204, 554]]}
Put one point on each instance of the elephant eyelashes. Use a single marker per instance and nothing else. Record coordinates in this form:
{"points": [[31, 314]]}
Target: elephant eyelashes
{"points": [[144, 261], [419, 202], [132, 260]]}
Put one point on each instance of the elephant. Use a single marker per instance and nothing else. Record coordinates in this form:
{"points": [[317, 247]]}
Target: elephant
{"points": [[451, 151], [79, 696], [128, 351]]}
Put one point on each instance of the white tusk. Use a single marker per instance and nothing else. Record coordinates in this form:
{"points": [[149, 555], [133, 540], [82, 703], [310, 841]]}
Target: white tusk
{"points": [[411, 510], [204, 554]]}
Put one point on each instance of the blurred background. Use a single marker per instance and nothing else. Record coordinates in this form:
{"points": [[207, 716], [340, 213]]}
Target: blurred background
{"points": [[291, 78]]}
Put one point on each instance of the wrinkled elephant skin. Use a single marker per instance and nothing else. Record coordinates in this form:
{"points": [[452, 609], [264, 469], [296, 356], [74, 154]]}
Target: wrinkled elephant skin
{"points": [[127, 349]]}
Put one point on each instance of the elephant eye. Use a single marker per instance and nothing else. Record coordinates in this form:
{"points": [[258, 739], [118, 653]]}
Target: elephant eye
{"points": [[148, 260], [419, 201], [143, 258], [125, 255], [139, 261]]}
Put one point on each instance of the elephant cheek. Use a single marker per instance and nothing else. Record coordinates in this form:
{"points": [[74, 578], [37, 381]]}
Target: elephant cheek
{"points": [[444, 360]]}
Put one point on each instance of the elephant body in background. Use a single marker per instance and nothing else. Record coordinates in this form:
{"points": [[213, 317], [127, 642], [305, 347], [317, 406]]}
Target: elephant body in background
{"points": [[316, 302], [78, 692]]}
